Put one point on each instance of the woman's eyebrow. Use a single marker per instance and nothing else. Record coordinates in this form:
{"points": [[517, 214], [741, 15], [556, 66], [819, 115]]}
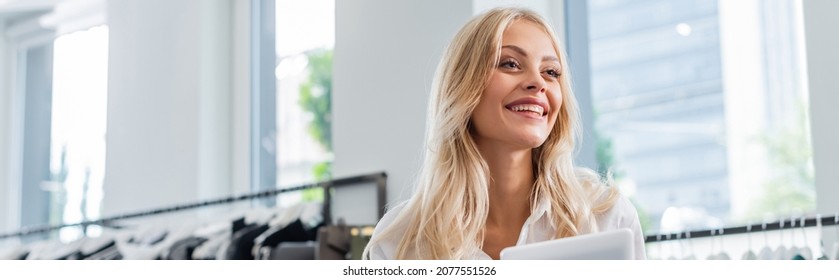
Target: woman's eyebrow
{"points": [[524, 54], [516, 49]]}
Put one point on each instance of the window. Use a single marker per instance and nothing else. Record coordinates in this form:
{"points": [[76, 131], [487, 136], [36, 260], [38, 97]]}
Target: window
{"points": [[58, 116], [701, 109], [305, 37], [79, 112]]}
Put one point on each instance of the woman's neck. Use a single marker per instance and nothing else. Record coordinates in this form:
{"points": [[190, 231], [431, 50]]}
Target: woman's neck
{"points": [[510, 188], [511, 185]]}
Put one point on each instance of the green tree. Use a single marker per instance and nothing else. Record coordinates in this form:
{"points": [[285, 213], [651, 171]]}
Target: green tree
{"points": [[605, 157], [606, 167], [316, 99], [791, 185], [316, 96]]}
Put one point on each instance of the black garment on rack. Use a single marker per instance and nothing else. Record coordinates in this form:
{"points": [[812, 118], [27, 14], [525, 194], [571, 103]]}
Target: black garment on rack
{"points": [[238, 225], [241, 243], [294, 231], [182, 249], [106, 251], [379, 178], [75, 255]]}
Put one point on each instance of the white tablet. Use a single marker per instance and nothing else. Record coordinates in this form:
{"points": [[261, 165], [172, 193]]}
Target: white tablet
{"points": [[608, 245]]}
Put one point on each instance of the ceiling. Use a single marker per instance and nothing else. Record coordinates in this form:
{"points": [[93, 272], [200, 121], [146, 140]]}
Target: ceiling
{"points": [[13, 9]]}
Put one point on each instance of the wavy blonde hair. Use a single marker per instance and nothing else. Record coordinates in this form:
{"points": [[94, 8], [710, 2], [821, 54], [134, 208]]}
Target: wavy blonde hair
{"points": [[449, 208]]}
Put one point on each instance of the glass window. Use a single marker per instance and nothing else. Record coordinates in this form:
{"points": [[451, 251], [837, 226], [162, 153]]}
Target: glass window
{"points": [[79, 112], [305, 37], [701, 109], [63, 85]]}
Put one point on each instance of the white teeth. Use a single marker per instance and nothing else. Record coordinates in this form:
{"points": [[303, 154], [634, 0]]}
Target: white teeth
{"points": [[528, 107]]}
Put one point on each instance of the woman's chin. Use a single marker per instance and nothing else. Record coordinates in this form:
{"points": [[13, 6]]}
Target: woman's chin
{"points": [[533, 141]]}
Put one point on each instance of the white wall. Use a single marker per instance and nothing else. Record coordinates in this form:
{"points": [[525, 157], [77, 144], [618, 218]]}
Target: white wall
{"points": [[385, 56], [820, 24], [240, 159], [169, 108]]}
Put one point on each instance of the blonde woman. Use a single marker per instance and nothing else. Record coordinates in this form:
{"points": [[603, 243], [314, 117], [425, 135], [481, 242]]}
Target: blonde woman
{"points": [[498, 168]]}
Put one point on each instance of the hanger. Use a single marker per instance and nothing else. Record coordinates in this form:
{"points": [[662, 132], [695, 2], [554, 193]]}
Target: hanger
{"points": [[821, 238], [681, 245], [658, 241], [691, 256], [793, 251], [750, 254], [672, 250], [712, 255], [805, 251], [781, 252], [722, 255], [766, 252]]}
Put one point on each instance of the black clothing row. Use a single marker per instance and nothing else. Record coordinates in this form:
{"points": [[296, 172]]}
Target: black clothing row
{"points": [[291, 233]]}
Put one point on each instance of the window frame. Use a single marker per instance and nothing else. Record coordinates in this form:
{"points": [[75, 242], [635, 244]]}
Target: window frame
{"points": [[32, 29], [263, 171], [23, 35]]}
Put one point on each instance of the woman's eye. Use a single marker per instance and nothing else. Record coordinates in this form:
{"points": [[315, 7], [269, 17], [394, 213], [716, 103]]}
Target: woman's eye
{"points": [[553, 73], [509, 64]]}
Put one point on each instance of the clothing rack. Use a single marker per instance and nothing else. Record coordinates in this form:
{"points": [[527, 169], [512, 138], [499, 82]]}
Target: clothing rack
{"points": [[379, 178], [781, 224]]}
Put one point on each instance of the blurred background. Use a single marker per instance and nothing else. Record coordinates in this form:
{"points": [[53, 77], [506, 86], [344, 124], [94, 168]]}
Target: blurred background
{"points": [[707, 113]]}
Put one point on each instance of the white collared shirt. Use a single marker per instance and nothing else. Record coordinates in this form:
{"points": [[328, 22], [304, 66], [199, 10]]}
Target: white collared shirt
{"points": [[536, 228]]}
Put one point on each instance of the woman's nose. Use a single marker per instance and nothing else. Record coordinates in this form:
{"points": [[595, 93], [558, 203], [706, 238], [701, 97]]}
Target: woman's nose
{"points": [[534, 82]]}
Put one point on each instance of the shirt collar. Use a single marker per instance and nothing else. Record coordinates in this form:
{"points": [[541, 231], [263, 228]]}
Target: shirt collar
{"points": [[538, 227], [535, 225]]}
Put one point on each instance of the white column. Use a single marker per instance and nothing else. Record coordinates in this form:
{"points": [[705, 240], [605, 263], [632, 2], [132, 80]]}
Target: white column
{"points": [[241, 94], [820, 24], [385, 56], [169, 105], [5, 93]]}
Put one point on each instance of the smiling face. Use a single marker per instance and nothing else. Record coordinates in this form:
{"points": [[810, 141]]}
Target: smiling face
{"points": [[522, 99]]}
